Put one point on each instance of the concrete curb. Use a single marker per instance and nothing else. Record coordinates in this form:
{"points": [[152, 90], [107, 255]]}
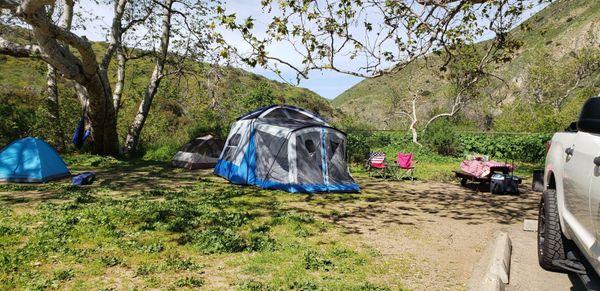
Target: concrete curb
{"points": [[492, 271]]}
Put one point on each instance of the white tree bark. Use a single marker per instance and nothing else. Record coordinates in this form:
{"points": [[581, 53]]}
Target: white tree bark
{"points": [[52, 98], [16, 50], [53, 106], [133, 135], [53, 42], [413, 124], [120, 84]]}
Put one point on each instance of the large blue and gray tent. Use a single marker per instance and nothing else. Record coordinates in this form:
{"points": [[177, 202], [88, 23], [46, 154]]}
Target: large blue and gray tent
{"points": [[287, 148], [31, 160]]}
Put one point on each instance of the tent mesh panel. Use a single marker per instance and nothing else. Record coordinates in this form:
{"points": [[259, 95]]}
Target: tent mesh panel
{"points": [[336, 160], [271, 157], [231, 148], [308, 150], [286, 114]]}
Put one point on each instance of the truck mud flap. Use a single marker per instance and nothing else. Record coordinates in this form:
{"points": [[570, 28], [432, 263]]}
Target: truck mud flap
{"points": [[580, 268]]}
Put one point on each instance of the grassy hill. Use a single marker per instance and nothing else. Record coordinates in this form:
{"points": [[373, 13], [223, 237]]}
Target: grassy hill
{"points": [[558, 30], [183, 107]]}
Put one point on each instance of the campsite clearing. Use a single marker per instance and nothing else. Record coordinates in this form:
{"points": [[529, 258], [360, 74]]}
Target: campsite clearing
{"points": [[146, 224]]}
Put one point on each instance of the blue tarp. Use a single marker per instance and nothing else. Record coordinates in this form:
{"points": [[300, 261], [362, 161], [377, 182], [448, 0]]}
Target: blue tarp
{"points": [[80, 134], [31, 160]]}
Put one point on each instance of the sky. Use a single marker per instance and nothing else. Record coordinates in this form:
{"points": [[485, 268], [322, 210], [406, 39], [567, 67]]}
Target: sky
{"points": [[328, 84]]}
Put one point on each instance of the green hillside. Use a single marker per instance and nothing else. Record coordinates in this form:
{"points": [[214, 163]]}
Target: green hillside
{"points": [[184, 106], [556, 32]]}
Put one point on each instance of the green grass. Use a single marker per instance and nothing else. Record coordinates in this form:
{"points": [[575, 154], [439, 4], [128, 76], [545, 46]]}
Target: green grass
{"points": [[181, 236]]}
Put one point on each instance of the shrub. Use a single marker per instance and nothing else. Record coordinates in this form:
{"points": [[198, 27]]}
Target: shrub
{"points": [[359, 145], [441, 138], [518, 147], [441, 142]]}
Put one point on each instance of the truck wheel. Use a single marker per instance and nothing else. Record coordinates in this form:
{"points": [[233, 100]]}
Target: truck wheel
{"points": [[550, 237]]}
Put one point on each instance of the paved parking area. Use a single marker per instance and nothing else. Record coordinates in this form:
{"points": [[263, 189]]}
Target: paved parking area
{"points": [[526, 274]]}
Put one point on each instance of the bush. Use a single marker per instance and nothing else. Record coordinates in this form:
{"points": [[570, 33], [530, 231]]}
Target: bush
{"points": [[441, 138], [519, 147], [358, 146], [442, 142]]}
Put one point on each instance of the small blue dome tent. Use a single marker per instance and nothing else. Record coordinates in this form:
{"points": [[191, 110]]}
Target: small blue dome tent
{"points": [[31, 160], [287, 148]]}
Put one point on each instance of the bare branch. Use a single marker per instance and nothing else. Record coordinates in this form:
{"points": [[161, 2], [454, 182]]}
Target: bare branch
{"points": [[9, 4], [17, 50], [446, 2]]}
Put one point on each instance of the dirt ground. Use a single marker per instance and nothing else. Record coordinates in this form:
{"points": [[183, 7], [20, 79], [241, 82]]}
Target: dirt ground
{"points": [[444, 227]]}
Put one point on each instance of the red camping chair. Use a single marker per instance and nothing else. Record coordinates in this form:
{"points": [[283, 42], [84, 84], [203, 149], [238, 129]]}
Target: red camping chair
{"points": [[376, 164], [406, 166]]}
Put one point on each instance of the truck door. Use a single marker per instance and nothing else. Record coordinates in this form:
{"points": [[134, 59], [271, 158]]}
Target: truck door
{"points": [[595, 186], [578, 171]]}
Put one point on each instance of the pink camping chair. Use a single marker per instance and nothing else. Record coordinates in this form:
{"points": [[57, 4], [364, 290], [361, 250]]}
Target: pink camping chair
{"points": [[376, 164], [406, 165]]}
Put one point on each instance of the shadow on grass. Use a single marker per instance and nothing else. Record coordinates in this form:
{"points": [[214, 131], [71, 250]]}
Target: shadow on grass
{"points": [[410, 202], [381, 201]]}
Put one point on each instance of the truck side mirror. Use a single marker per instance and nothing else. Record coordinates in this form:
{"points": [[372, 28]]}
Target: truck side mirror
{"points": [[589, 119]]}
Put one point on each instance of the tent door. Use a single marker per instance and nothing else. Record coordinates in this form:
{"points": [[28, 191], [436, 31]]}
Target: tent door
{"points": [[309, 157]]}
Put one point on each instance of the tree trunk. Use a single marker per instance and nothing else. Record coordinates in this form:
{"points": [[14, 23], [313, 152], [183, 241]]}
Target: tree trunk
{"points": [[118, 92], [52, 104], [101, 117], [413, 124], [133, 135], [82, 68]]}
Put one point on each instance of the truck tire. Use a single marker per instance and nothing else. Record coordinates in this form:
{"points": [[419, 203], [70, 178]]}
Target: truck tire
{"points": [[551, 242]]}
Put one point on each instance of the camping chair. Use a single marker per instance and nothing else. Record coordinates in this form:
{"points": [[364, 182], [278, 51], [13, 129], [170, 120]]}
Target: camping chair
{"points": [[376, 164], [406, 166]]}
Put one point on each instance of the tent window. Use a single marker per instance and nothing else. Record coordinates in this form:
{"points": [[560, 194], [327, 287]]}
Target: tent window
{"points": [[333, 146], [232, 144], [310, 146], [283, 113], [234, 140]]}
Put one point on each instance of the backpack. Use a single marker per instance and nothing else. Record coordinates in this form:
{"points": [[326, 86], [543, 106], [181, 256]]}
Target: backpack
{"points": [[85, 178]]}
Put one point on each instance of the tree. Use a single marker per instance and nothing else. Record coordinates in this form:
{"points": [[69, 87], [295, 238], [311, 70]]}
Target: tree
{"points": [[135, 129], [262, 95], [369, 38], [466, 75], [52, 46], [183, 30], [53, 43], [65, 21]]}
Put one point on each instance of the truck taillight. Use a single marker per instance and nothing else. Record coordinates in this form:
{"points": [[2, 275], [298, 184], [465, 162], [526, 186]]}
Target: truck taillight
{"points": [[548, 145]]}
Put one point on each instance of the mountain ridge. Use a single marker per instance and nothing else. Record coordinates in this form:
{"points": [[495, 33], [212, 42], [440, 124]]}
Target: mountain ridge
{"points": [[559, 29]]}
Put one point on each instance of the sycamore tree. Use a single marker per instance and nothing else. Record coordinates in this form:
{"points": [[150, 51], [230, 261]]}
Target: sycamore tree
{"points": [[166, 31], [465, 78], [368, 38]]}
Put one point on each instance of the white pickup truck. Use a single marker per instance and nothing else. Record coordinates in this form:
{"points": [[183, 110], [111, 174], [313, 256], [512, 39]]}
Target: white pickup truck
{"points": [[569, 213]]}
